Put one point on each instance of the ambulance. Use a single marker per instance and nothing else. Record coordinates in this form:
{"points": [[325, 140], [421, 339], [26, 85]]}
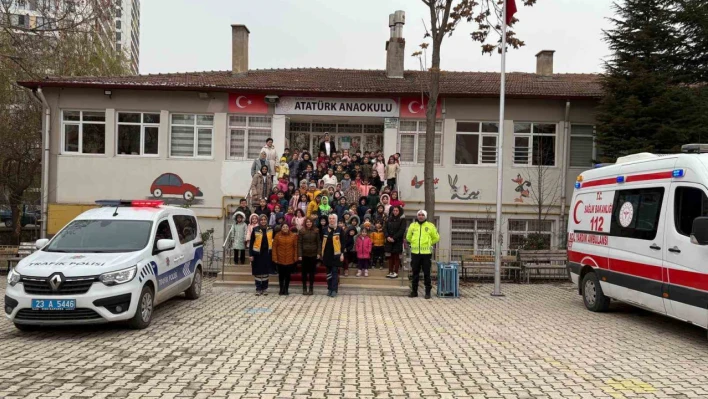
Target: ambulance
{"points": [[638, 233], [112, 263]]}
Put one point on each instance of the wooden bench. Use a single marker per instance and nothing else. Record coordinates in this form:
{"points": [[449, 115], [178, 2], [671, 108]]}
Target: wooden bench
{"points": [[554, 261], [484, 265]]}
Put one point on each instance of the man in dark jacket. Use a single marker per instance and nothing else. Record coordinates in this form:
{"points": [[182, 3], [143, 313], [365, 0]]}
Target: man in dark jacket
{"points": [[327, 146], [394, 231]]}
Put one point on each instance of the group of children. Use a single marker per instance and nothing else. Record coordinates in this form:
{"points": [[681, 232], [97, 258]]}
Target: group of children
{"points": [[360, 189]]}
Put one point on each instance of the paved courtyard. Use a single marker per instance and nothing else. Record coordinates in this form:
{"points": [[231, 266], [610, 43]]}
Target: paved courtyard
{"points": [[537, 342]]}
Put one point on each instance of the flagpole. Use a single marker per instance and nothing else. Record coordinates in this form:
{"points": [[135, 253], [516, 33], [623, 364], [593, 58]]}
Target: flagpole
{"points": [[500, 159]]}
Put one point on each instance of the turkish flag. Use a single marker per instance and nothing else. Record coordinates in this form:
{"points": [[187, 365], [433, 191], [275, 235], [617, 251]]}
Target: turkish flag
{"points": [[247, 104], [413, 107], [510, 10]]}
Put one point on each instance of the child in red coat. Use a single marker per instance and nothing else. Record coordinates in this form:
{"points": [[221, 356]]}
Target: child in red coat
{"points": [[363, 248]]}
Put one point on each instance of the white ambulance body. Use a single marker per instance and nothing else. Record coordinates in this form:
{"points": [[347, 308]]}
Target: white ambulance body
{"points": [[638, 233]]}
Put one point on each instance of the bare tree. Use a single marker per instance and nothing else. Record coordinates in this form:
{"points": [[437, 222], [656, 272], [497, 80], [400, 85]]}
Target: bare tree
{"points": [[543, 192], [445, 15], [67, 38]]}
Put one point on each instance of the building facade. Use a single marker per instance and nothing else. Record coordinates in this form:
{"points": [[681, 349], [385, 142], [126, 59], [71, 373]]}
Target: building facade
{"points": [[193, 137]]}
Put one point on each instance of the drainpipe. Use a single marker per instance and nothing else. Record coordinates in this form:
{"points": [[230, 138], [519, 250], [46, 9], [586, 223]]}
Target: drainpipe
{"points": [[45, 160], [564, 172]]}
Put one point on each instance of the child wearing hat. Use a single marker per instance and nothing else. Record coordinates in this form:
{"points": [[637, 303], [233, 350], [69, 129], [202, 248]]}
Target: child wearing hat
{"points": [[283, 173]]}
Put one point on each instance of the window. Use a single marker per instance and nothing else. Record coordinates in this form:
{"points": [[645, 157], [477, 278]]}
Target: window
{"points": [[641, 209], [582, 145], [411, 141], [138, 133], [21, 4], [84, 132], [117, 36], [470, 234], [519, 230], [535, 144], [186, 228], [689, 203], [118, 47], [191, 135], [102, 236], [163, 232], [247, 135], [118, 24], [476, 143]]}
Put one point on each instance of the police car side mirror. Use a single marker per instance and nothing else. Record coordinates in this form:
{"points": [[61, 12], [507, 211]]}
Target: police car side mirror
{"points": [[39, 244], [165, 245], [699, 231]]}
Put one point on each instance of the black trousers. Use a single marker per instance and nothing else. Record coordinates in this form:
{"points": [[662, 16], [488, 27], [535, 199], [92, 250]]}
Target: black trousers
{"points": [[419, 261], [284, 272], [239, 254], [309, 263]]}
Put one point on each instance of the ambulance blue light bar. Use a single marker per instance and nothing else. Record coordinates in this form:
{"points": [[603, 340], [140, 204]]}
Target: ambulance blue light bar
{"points": [[677, 173], [133, 203]]}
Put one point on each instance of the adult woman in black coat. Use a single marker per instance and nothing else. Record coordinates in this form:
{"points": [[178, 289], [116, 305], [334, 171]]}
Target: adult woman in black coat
{"points": [[394, 231], [302, 166]]}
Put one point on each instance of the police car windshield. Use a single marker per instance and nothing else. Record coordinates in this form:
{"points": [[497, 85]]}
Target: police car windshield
{"points": [[102, 236]]}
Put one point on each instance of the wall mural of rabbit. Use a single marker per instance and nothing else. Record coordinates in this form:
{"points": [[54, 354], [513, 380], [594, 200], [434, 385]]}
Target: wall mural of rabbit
{"points": [[462, 193]]}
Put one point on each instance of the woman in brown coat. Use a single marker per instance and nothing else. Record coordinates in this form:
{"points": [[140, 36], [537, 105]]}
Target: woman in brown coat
{"points": [[285, 253], [309, 251]]}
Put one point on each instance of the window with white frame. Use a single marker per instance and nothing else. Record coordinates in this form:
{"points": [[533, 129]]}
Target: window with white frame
{"points": [[83, 132], [191, 135], [247, 135], [582, 145], [411, 141], [468, 236], [534, 143], [519, 230], [476, 143], [138, 133]]}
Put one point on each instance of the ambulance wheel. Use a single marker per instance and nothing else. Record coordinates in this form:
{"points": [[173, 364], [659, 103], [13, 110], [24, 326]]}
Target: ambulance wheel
{"points": [[195, 290], [595, 300], [143, 314]]}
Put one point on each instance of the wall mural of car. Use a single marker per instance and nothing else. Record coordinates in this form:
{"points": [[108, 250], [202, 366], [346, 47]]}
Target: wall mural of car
{"points": [[171, 184]]}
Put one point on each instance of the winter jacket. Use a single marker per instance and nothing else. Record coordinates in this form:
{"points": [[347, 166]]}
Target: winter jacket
{"points": [[366, 170], [330, 181], [283, 171], [309, 242], [377, 238], [285, 248], [299, 222], [238, 233], [386, 204], [252, 223], [246, 211], [422, 237], [262, 211], [349, 240], [363, 189], [352, 195], [372, 200], [293, 167], [345, 183], [395, 228], [258, 163], [381, 170], [312, 208], [392, 170], [261, 187], [363, 247], [339, 210]]}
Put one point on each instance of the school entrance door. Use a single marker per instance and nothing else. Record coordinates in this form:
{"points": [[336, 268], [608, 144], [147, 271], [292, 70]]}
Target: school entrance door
{"points": [[346, 136]]}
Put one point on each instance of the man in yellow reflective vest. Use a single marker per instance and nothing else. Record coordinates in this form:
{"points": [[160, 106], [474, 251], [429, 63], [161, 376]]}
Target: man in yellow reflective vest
{"points": [[421, 236]]}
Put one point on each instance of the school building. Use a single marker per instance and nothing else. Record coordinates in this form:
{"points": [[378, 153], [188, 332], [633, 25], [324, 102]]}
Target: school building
{"points": [[193, 137]]}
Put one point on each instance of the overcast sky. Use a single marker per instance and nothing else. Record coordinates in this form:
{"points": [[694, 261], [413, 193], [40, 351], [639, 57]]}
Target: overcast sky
{"points": [[195, 35]]}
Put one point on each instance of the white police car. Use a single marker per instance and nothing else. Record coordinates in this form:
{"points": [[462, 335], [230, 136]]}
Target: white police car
{"points": [[113, 263]]}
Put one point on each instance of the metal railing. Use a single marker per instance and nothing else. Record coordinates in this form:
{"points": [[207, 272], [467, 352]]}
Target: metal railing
{"points": [[223, 250]]}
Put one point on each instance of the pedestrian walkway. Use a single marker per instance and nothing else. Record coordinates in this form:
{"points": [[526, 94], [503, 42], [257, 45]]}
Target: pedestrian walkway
{"points": [[536, 342]]}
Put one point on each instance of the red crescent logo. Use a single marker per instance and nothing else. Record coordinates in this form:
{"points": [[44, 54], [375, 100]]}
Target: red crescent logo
{"points": [[575, 212]]}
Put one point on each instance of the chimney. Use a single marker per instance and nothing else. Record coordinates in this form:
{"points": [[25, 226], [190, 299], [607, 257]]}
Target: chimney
{"points": [[239, 49], [544, 62], [396, 45]]}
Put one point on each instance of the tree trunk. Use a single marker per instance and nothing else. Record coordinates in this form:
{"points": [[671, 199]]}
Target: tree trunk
{"points": [[430, 115]]}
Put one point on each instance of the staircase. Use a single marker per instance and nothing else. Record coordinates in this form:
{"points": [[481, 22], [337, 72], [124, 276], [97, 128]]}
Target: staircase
{"points": [[240, 276]]}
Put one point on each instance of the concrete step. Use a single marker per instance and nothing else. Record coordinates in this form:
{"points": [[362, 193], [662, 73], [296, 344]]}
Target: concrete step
{"points": [[247, 277], [319, 289], [247, 269]]}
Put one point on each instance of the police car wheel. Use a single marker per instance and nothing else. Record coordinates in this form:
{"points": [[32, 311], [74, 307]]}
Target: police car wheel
{"points": [[593, 297], [143, 314], [195, 290]]}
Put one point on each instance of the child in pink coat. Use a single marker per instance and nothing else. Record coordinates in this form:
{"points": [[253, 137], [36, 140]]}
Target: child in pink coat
{"points": [[363, 248]]}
